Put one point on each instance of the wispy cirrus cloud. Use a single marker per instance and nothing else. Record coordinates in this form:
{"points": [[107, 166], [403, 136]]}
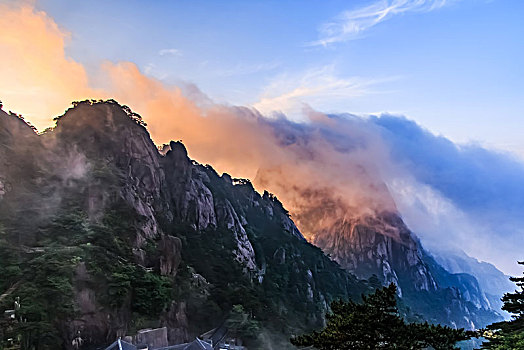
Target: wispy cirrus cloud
{"points": [[352, 23], [289, 94], [170, 52]]}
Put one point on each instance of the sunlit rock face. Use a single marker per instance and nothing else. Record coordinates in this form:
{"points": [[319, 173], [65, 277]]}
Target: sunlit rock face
{"points": [[192, 199], [194, 203], [363, 232], [366, 237], [381, 246]]}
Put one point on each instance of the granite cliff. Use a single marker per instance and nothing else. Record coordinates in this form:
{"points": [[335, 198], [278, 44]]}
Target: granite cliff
{"points": [[383, 246]]}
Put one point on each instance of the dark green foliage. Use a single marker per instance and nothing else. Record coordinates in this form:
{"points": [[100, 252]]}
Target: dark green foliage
{"points": [[210, 254], [375, 324], [9, 267], [44, 275], [152, 293], [41, 279], [509, 335], [111, 261], [298, 278], [242, 325], [46, 297], [147, 292]]}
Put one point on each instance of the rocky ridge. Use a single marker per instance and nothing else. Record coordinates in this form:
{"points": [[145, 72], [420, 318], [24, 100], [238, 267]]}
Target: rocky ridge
{"points": [[131, 219], [141, 222]]}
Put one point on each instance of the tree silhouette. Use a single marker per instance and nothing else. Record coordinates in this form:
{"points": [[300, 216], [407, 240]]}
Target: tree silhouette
{"points": [[376, 324], [509, 334]]}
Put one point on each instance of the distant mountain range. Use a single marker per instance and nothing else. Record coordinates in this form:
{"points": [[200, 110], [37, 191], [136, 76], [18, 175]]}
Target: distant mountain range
{"points": [[103, 234]]}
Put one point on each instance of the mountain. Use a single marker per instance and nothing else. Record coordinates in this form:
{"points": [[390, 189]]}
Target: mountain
{"points": [[382, 245], [493, 282], [103, 234], [366, 235]]}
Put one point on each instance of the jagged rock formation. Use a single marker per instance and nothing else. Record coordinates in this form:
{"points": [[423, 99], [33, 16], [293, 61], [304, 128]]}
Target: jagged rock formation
{"points": [[382, 245], [16, 139], [194, 202], [144, 238], [492, 282]]}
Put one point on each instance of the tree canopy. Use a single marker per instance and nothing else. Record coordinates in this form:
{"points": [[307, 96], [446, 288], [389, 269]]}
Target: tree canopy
{"points": [[376, 324], [509, 334]]}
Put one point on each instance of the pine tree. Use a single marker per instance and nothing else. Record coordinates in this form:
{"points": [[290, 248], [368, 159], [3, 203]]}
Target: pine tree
{"points": [[510, 334], [375, 324]]}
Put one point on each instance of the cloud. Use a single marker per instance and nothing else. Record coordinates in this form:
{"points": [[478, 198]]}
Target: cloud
{"points": [[478, 179], [36, 75], [170, 52], [352, 23], [291, 94], [460, 195]]}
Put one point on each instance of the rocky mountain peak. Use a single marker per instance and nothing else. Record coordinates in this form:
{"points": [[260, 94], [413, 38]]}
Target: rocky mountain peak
{"points": [[13, 125], [178, 149], [150, 237]]}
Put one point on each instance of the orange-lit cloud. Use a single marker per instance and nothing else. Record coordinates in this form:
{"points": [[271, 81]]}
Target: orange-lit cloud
{"points": [[40, 81], [37, 79], [294, 161]]}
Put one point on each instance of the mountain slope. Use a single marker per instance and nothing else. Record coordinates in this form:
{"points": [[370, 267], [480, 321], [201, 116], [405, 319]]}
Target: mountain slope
{"points": [[382, 245], [492, 281], [376, 241], [103, 235]]}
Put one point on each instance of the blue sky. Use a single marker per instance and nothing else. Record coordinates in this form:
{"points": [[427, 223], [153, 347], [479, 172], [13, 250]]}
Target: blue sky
{"points": [[453, 66]]}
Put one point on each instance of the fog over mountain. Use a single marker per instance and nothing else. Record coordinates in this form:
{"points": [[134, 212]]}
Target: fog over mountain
{"points": [[464, 196], [144, 237], [449, 194]]}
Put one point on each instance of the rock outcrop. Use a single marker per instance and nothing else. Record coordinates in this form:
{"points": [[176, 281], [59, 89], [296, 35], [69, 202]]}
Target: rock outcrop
{"points": [[383, 246], [380, 245]]}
